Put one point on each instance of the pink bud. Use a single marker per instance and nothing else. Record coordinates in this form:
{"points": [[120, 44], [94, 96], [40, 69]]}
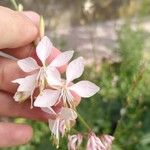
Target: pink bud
{"points": [[96, 143], [107, 141], [74, 141]]}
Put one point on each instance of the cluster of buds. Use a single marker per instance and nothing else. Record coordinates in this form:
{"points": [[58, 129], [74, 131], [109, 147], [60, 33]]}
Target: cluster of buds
{"points": [[47, 90]]}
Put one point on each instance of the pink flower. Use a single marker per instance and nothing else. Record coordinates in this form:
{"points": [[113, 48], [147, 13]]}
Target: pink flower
{"points": [[37, 79], [107, 141], [74, 141], [64, 88], [62, 123], [96, 143]]}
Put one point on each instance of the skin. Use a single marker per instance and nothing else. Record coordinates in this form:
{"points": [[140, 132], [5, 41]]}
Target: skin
{"points": [[18, 30]]}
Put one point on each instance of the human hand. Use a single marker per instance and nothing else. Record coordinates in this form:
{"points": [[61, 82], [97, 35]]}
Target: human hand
{"points": [[18, 30]]}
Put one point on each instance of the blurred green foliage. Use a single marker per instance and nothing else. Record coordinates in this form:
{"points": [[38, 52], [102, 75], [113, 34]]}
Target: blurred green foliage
{"points": [[121, 108]]}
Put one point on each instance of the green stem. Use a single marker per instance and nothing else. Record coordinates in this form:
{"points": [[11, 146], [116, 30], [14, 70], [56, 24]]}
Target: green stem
{"points": [[14, 4], [83, 121]]}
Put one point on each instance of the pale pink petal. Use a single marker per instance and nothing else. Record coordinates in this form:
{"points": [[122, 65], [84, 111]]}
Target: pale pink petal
{"points": [[27, 83], [74, 141], [84, 88], [53, 76], [44, 49], [67, 114], [47, 99], [94, 143], [62, 127], [51, 124], [62, 59], [75, 69], [48, 110], [28, 64], [54, 127], [107, 140]]}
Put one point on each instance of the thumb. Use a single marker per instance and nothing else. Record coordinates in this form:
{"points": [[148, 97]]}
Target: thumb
{"points": [[16, 29], [13, 134]]}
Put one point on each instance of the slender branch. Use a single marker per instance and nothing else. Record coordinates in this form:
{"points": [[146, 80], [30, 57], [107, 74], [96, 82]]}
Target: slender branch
{"points": [[83, 121]]}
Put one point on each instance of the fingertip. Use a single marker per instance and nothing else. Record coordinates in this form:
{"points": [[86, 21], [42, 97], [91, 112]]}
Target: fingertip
{"points": [[14, 134], [27, 133], [29, 32], [22, 135], [33, 16], [20, 29]]}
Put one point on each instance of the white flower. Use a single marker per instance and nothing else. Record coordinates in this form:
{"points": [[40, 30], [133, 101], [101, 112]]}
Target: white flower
{"points": [[65, 88], [63, 119], [26, 87], [43, 51], [74, 141]]}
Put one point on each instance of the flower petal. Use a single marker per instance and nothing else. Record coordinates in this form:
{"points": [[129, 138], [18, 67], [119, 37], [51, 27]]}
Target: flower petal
{"points": [[28, 64], [75, 69], [54, 127], [51, 124], [27, 83], [95, 143], [74, 141], [67, 114], [62, 59], [107, 140], [48, 110], [84, 88], [44, 49], [47, 99], [53, 76]]}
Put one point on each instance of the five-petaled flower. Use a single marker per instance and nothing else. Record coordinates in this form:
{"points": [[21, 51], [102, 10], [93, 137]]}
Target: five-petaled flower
{"points": [[65, 89]]}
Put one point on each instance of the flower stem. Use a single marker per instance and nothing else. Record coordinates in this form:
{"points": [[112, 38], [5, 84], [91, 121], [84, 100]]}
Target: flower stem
{"points": [[14, 4], [83, 121]]}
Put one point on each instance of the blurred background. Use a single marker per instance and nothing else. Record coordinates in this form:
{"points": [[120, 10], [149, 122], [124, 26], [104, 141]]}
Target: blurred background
{"points": [[114, 38]]}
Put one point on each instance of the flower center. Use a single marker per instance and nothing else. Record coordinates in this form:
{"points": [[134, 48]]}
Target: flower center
{"points": [[67, 97]]}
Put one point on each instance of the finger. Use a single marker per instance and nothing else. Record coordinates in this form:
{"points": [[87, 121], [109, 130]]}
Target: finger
{"points": [[28, 49], [21, 52], [16, 29], [10, 108], [9, 71], [14, 134], [34, 17]]}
